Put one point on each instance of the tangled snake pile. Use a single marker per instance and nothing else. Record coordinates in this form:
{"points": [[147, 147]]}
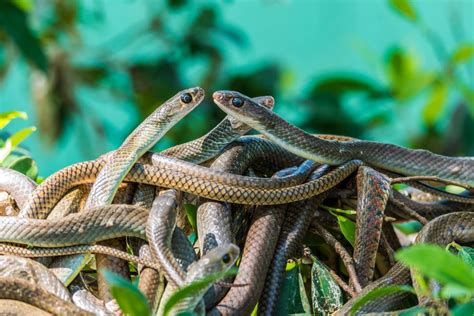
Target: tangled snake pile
{"points": [[262, 194]]}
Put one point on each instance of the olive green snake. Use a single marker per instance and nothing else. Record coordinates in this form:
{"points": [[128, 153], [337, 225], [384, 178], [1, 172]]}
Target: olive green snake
{"points": [[394, 158]]}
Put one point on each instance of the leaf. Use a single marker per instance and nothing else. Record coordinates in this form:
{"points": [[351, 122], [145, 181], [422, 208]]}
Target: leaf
{"points": [[25, 165], [327, 296], [436, 101], [6, 117], [338, 210], [347, 227], [304, 297], [463, 53], [379, 292], [345, 83], [443, 266], [465, 253], [289, 301], [463, 309], [19, 136], [405, 9], [25, 5], [130, 299], [408, 228], [196, 286], [15, 23], [13, 141], [191, 213], [406, 79]]}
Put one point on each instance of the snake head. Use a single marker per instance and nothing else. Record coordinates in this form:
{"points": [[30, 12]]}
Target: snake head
{"points": [[266, 101], [241, 107], [183, 102], [219, 259]]}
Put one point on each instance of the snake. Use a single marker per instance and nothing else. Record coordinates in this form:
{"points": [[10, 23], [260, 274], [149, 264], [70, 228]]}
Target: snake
{"points": [[218, 260], [139, 142], [442, 230], [297, 221], [19, 186], [414, 162], [33, 294]]}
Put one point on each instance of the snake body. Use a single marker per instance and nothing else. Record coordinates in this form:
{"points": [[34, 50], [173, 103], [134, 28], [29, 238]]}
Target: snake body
{"points": [[138, 143], [386, 156], [444, 229]]}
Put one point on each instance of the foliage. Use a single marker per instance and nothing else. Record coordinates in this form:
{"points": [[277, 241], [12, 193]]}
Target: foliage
{"points": [[194, 287], [454, 272], [130, 299], [11, 155]]}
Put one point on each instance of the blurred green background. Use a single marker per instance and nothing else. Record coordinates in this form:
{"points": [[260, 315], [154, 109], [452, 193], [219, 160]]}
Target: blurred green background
{"points": [[87, 72]]}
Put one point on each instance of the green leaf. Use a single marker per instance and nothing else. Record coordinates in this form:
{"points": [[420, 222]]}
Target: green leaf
{"points": [[290, 298], [25, 5], [379, 292], [304, 297], [25, 165], [191, 213], [130, 299], [436, 101], [196, 286], [327, 296], [15, 23], [13, 141], [338, 210], [6, 117], [463, 309], [408, 228], [442, 265], [19, 136], [465, 253], [405, 77], [404, 8], [413, 311], [463, 53], [347, 227]]}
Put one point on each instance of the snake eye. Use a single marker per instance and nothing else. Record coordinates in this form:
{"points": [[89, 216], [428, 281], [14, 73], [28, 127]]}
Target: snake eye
{"points": [[226, 258], [237, 102], [186, 98]]}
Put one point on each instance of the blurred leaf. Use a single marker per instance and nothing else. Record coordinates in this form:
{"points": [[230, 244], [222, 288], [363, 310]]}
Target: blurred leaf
{"points": [[408, 228], [25, 165], [327, 296], [347, 227], [436, 101], [404, 8], [289, 301], [463, 309], [6, 117], [379, 292], [13, 141], [90, 75], [463, 53], [338, 210], [130, 299], [443, 266], [465, 253], [405, 77], [195, 286], [176, 4], [14, 21], [191, 213], [265, 80], [19, 136], [304, 297], [25, 5], [346, 83]]}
